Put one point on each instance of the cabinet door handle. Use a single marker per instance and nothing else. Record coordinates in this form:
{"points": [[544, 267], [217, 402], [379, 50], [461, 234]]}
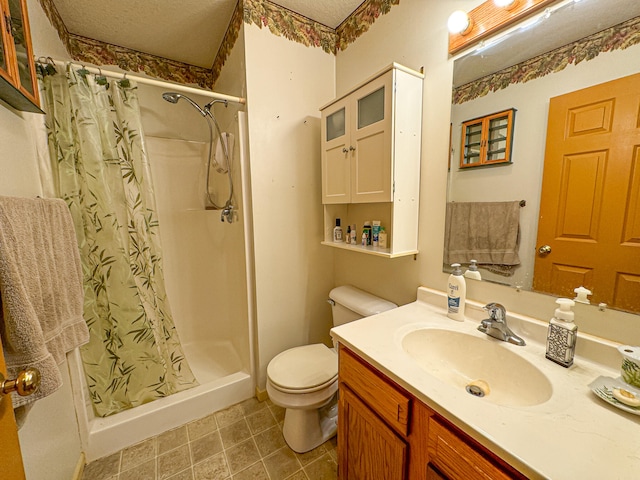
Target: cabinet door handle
{"points": [[344, 150], [352, 148]]}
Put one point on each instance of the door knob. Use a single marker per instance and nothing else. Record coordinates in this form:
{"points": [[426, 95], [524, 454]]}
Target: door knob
{"points": [[344, 150], [26, 383], [544, 250]]}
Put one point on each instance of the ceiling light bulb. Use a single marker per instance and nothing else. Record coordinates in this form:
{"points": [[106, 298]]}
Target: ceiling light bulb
{"points": [[459, 22], [504, 3]]}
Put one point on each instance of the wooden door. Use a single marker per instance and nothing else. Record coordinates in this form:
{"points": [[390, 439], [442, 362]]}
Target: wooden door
{"points": [[336, 153], [371, 124], [590, 205], [10, 456], [368, 448]]}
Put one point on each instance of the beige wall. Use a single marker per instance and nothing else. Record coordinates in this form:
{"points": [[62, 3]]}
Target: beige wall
{"points": [[286, 84], [414, 34]]}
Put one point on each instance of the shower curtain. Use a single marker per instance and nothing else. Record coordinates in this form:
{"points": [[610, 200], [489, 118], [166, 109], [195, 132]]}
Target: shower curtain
{"points": [[100, 168]]}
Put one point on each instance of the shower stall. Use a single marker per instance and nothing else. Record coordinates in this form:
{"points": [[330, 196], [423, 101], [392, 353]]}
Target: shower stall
{"points": [[207, 265]]}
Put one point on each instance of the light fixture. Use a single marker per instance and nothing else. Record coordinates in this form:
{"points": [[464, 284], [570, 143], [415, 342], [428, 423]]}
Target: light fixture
{"points": [[508, 4], [459, 23]]}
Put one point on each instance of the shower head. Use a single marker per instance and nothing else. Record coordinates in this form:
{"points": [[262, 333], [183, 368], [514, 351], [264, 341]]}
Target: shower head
{"points": [[173, 97], [214, 101]]}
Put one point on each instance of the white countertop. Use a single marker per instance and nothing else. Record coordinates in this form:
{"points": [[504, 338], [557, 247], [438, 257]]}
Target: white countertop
{"points": [[573, 435]]}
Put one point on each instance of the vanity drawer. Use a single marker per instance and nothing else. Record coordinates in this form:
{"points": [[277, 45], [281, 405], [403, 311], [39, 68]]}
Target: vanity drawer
{"points": [[457, 459], [377, 392]]}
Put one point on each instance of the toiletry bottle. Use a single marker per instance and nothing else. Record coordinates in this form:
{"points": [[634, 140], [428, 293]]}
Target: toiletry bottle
{"points": [[456, 294], [337, 232], [354, 235], [347, 239], [562, 334], [382, 238], [472, 271], [375, 233], [367, 229]]}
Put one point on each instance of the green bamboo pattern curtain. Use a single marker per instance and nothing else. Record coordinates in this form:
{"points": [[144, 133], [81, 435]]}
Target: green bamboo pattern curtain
{"points": [[100, 168]]}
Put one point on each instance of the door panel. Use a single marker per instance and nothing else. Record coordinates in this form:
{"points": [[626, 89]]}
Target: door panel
{"points": [[371, 449], [10, 456], [590, 205], [371, 167], [336, 158]]}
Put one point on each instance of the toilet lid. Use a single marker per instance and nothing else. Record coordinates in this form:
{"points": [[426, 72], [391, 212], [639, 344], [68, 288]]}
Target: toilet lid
{"points": [[305, 367]]}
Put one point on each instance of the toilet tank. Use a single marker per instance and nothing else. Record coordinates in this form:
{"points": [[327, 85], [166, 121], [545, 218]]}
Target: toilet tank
{"points": [[350, 303]]}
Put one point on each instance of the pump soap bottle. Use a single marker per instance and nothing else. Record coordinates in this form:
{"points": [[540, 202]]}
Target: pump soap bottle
{"points": [[456, 294], [561, 338], [337, 232], [473, 272]]}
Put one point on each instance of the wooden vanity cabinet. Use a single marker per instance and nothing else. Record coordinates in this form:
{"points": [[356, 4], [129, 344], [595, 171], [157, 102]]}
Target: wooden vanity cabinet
{"points": [[18, 82], [384, 432]]}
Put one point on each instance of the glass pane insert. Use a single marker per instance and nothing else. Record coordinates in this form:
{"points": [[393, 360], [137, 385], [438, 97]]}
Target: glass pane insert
{"points": [[3, 61], [371, 108], [336, 124], [472, 143], [497, 138], [17, 30]]}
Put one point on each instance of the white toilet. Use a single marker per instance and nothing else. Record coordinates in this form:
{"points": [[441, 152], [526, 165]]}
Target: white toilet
{"points": [[304, 380]]}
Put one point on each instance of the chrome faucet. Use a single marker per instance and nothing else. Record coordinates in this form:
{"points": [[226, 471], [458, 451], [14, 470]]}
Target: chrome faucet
{"points": [[496, 325]]}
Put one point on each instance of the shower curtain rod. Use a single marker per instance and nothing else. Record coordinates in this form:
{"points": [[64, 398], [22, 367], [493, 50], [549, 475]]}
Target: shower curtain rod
{"points": [[150, 81]]}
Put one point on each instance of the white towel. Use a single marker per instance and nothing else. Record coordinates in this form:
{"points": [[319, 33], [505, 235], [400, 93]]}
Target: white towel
{"points": [[220, 159], [41, 289]]}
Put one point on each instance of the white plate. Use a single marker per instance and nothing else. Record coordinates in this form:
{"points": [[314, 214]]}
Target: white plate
{"points": [[603, 386]]}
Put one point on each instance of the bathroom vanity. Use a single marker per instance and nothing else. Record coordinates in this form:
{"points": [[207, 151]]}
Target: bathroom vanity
{"points": [[386, 432], [404, 411]]}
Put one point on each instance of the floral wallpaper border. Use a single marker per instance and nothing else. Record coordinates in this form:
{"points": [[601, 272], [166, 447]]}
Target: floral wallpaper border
{"points": [[279, 20], [228, 41], [290, 25], [617, 37], [83, 49], [361, 19]]}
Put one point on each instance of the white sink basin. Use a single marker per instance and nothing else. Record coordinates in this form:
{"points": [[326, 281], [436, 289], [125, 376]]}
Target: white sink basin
{"points": [[459, 359]]}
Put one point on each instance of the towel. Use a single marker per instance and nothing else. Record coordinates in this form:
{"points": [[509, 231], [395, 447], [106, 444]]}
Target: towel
{"points": [[40, 288], [219, 159], [485, 231]]}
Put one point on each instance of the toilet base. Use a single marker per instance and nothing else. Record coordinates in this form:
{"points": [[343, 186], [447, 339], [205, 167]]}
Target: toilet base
{"points": [[305, 430]]}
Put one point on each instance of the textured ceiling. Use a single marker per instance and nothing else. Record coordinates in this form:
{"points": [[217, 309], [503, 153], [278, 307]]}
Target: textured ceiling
{"points": [[188, 31]]}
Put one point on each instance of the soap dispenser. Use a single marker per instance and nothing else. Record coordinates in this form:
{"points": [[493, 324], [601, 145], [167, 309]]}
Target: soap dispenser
{"points": [[472, 271], [562, 334], [456, 294]]}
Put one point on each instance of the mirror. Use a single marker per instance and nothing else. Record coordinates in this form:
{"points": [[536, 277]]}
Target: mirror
{"points": [[505, 72]]}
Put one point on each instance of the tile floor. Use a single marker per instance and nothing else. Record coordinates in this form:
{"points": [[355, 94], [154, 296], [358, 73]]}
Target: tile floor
{"points": [[241, 442]]}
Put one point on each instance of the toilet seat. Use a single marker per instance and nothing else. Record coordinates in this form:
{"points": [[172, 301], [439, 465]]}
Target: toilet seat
{"points": [[303, 369]]}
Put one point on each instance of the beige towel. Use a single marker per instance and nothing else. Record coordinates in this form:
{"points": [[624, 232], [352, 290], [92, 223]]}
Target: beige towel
{"points": [[485, 231], [41, 289]]}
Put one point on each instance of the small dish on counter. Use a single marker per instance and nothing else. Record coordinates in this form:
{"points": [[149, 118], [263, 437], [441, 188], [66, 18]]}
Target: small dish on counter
{"points": [[617, 393]]}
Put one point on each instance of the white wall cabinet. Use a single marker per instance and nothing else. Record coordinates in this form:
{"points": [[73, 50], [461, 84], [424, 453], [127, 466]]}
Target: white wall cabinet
{"points": [[371, 140]]}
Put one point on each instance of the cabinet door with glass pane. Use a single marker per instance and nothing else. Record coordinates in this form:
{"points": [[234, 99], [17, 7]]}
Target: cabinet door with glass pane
{"points": [[18, 84], [371, 169], [487, 140], [336, 155]]}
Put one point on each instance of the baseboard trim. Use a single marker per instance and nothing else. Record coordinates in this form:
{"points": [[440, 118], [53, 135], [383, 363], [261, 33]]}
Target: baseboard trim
{"points": [[261, 395], [77, 473]]}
